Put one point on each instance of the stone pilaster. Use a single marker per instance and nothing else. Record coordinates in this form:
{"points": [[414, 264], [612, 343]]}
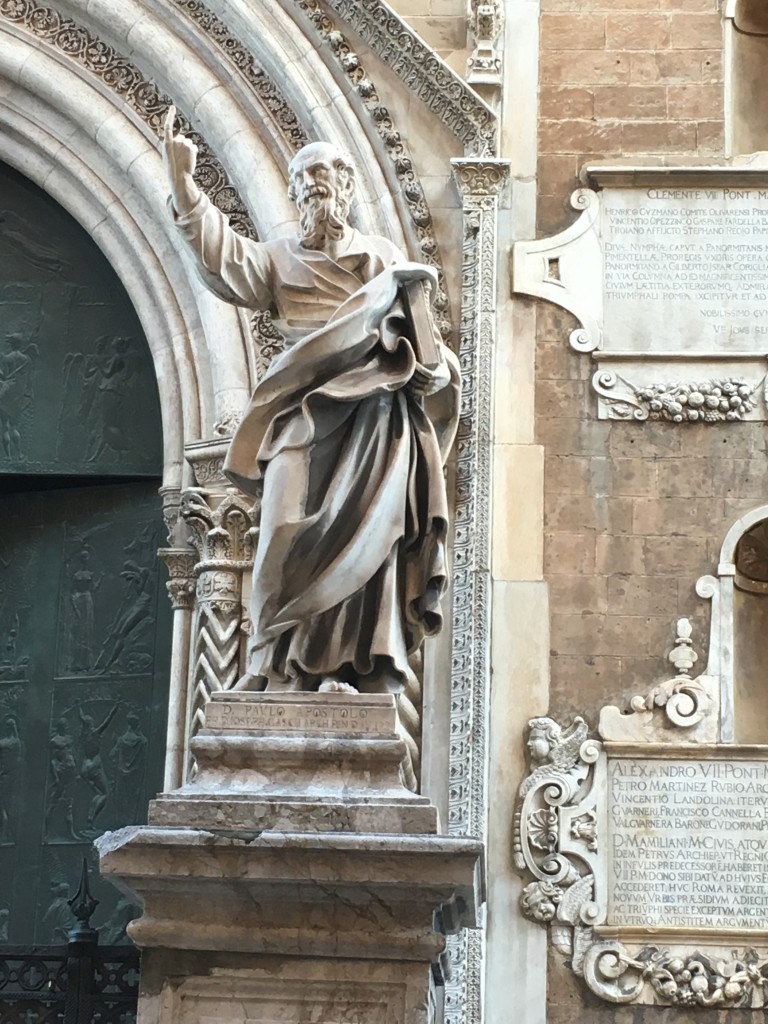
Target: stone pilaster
{"points": [[481, 183]]}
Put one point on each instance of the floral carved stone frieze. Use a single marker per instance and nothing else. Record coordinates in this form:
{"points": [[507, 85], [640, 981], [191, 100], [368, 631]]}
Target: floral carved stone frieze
{"points": [[718, 400]]}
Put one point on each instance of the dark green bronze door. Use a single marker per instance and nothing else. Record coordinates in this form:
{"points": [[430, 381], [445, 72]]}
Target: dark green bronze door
{"points": [[84, 619], [83, 687]]}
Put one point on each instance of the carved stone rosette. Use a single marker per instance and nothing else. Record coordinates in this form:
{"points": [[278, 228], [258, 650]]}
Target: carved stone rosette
{"points": [[480, 183], [222, 533]]}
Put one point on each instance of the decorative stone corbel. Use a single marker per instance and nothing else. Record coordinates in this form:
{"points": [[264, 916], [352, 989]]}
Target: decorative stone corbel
{"points": [[567, 269], [558, 835], [484, 67]]}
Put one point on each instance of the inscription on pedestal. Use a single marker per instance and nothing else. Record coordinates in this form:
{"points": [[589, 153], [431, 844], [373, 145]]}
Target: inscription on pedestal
{"points": [[688, 842], [305, 713], [684, 269]]}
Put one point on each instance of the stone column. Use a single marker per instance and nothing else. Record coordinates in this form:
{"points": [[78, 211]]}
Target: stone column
{"points": [[179, 558], [180, 563], [220, 527]]}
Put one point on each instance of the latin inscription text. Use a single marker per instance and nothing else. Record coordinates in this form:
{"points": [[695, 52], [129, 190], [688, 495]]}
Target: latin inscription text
{"points": [[688, 843]]}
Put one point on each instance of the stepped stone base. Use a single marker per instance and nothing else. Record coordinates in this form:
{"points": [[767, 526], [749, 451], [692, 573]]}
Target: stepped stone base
{"points": [[294, 878], [297, 762]]}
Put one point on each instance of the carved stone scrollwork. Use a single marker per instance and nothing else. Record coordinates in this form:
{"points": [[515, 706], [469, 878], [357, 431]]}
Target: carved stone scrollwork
{"points": [[223, 536], [230, 413], [686, 702], [272, 100], [559, 838], [268, 340], [141, 94], [428, 77], [563, 846], [678, 980]]}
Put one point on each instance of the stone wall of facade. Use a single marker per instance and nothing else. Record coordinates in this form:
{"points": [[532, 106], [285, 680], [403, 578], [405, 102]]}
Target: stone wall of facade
{"points": [[622, 79], [634, 513]]}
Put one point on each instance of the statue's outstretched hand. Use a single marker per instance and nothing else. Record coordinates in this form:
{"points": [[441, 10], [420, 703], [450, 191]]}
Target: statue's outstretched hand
{"points": [[180, 158]]}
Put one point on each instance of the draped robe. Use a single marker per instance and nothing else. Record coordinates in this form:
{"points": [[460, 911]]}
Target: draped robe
{"points": [[350, 563]]}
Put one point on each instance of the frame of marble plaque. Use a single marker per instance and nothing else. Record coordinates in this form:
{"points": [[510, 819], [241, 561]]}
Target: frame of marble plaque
{"points": [[662, 272], [645, 860]]}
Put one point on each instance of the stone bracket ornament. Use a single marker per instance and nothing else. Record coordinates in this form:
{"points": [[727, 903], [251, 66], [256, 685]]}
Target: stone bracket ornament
{"points": [[486, 21], [659, 271], [566, 270], [680, 702], [559, 836]]}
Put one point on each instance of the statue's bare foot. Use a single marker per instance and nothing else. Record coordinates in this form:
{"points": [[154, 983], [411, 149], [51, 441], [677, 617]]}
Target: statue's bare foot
{"points": [[248, 681], [335, 686]]}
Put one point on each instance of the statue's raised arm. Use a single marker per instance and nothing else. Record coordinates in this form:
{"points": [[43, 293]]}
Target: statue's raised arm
{"points": [[344, 438], [180, 159]]}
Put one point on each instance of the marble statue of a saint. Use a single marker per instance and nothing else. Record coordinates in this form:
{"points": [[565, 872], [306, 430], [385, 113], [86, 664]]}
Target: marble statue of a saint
{"points": [[344, 438]]}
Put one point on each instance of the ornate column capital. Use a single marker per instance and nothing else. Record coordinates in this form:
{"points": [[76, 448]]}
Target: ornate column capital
{"points": [[480, 177], [180, 563]]}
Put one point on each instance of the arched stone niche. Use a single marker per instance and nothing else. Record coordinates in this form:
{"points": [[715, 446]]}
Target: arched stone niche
{"points": [[750, 640], [84, 85], [746, 99], [66, 125], [743, 641]]}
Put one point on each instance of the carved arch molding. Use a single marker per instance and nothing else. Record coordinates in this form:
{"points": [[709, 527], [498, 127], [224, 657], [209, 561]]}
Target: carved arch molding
{"points": [[84, 90]]}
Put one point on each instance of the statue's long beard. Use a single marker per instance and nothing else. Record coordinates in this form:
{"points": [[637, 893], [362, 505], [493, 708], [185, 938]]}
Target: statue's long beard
{"points": [[322, 219]]}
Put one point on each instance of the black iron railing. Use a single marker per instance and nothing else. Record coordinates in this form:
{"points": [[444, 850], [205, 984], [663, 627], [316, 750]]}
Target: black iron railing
{"points": [[60, 985], [80, 983]]}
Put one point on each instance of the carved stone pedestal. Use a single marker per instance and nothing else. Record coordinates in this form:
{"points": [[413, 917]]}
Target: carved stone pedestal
{"points": [[294, 878]]}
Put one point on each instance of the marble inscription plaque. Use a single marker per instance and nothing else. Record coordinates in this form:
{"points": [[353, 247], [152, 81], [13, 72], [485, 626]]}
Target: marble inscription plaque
{"points": [[684, 269], [688, 843], [306, 713], [278, 719]]}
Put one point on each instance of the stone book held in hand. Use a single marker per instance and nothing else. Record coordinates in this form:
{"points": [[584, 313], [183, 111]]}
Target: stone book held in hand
{"points": [[417, 312]]}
